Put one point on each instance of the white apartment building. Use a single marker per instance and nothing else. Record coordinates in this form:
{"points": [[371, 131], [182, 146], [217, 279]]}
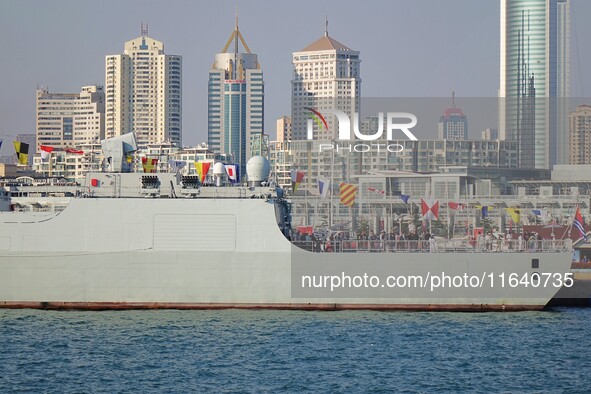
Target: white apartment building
{"points": [[144, 93], [70, 119]]}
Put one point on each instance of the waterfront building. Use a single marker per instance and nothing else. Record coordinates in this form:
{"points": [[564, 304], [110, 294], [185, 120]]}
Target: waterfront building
{"points": [[534, 79], [424, 156], [144, 92], [235, 115], [68, 120], [580, 135]]}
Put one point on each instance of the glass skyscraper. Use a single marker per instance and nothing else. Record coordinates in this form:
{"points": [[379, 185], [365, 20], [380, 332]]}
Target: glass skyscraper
{"points": [[236, 102], [534, 80]]}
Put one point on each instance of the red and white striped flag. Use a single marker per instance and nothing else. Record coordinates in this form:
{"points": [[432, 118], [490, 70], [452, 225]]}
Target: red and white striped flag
{"points": [[74, 151], [378, 191]]}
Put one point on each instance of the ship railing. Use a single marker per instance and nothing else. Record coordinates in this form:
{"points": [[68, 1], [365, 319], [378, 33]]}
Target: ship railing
{"points": [[435, 246]]}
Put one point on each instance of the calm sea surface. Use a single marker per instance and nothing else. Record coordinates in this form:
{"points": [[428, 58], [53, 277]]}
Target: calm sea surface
{"points": [[289, 351]]}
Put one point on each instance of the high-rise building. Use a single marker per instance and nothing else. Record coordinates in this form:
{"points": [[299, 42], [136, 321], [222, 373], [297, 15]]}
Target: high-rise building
{"points": [[326, 76], [580, 135], [70, 119], [284, 129], [144, 92], [489, 134], [235, 102], [534, 79], [453, 124]]}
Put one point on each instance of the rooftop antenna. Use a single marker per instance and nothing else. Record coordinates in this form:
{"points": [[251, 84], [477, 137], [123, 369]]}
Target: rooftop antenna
{"points": [[325, 25], [453, 98], [236, 34], [144, 30]]}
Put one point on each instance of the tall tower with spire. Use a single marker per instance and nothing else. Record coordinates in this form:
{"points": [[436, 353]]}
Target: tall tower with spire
{"points": [[236, 101], [326, 76], [453, 124], [143, 89]]}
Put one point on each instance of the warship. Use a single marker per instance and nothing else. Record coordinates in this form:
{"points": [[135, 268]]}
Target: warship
{"points": [[162, 240]]}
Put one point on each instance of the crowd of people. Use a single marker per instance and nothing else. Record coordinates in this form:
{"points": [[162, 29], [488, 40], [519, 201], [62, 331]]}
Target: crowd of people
{"points": [[368, 242], [492, 241]]}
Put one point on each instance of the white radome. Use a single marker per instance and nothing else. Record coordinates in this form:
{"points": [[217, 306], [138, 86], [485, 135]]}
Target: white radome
{"points": [[258, 169], [219, 169]]}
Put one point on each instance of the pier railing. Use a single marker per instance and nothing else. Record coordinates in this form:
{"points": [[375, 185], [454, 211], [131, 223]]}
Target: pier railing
{"points": [[436, 246]]}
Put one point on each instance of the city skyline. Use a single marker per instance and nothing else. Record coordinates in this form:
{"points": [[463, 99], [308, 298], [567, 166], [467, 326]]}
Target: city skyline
{"points": [[435, 31]]}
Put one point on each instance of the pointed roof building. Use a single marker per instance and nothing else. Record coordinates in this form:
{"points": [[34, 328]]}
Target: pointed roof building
{"points": [[326, 43], [326, 76]]}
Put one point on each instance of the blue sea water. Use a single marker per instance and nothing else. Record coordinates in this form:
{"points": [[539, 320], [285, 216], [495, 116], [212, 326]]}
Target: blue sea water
{"points": [[293, 351]]}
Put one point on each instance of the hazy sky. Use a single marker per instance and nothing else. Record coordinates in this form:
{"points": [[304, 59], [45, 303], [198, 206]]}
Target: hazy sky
{"points": [[419, 48]]}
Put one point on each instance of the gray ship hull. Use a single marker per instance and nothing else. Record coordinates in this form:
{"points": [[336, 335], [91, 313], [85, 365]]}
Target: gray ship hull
{"points": [[126, 253]]}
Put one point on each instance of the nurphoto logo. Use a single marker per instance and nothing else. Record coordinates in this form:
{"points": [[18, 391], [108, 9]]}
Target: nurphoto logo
{"points": [[392, 124]]}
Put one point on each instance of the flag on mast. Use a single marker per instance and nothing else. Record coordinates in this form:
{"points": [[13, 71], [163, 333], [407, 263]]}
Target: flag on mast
{"points": [[430, 209], [45, 151], [579, 223], [202, 170], [232, 171], [377, 191], [348, 193], [177, 165], [296, 178], [149, 164], [514, 213], [323, 187], [455, 205], [22, 152]]}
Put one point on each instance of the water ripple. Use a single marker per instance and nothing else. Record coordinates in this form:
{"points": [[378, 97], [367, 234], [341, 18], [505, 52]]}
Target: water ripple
{"points": [[291, 351]]}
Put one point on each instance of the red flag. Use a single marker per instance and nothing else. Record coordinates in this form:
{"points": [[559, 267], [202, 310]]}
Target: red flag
{"points": [[45, 151], [430, 209], [46, 148], [455, 205], [75, 151]]}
